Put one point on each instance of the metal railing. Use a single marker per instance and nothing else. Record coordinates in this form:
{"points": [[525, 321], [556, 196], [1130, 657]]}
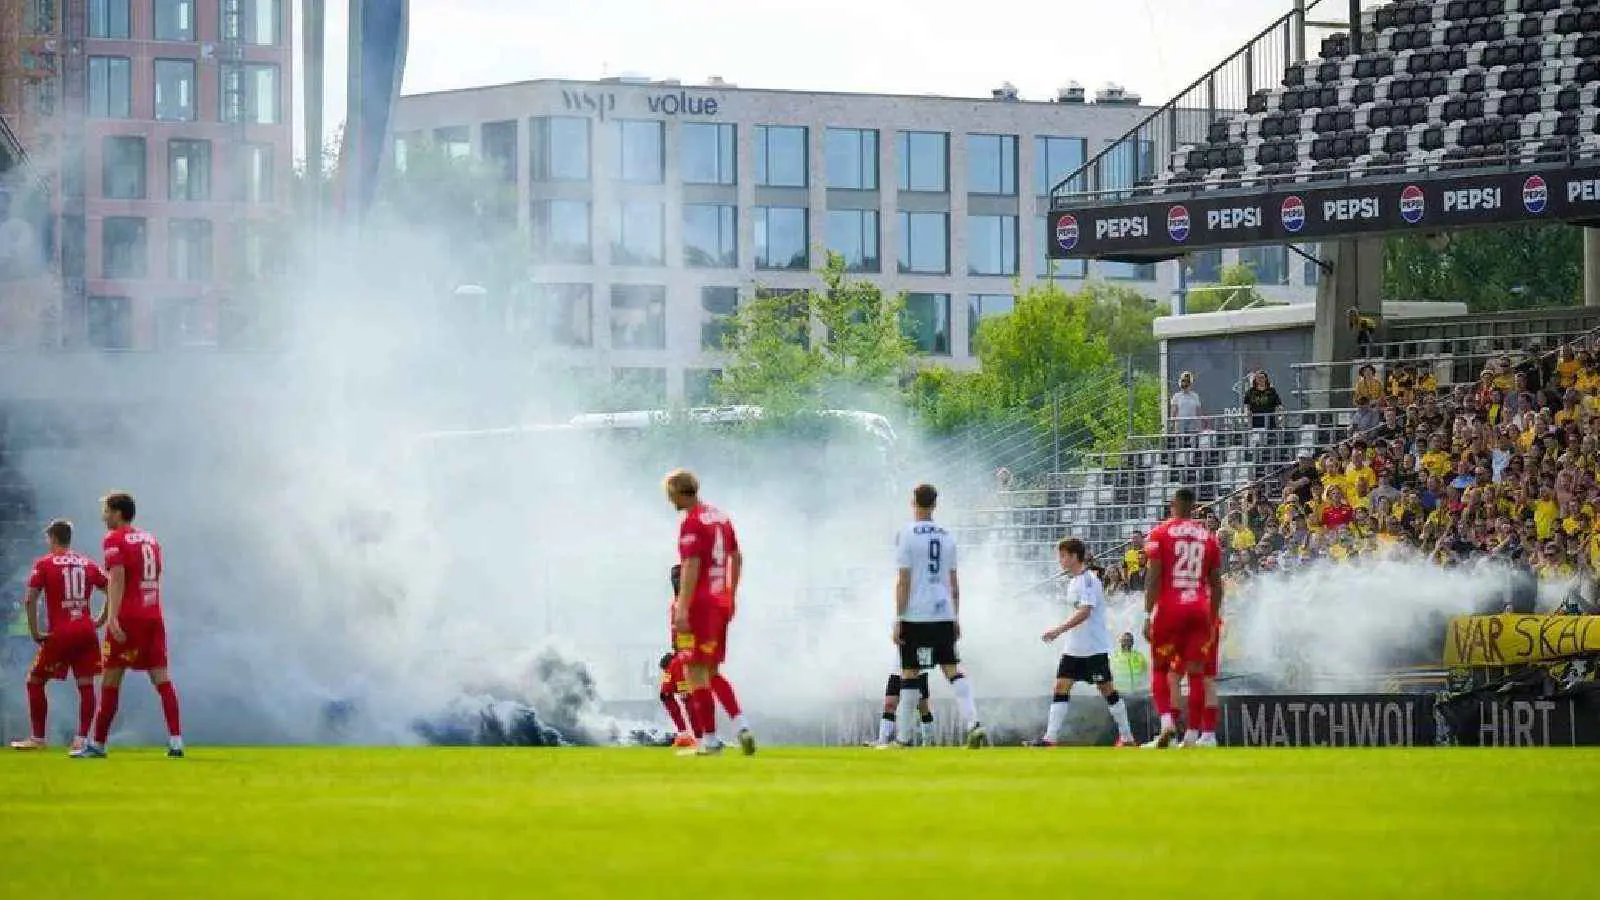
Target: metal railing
{"points": [[1186, 119], [1502, 327]]}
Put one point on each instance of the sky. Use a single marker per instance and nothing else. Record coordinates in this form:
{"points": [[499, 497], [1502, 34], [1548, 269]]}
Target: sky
{"points": [[949, 47]]}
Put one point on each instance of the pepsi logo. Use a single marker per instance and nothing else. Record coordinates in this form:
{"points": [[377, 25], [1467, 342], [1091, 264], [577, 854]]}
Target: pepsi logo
{"points": [[1178, 223], [1293, 214], [1067, 232], [1413, 204], [1535, 194]]}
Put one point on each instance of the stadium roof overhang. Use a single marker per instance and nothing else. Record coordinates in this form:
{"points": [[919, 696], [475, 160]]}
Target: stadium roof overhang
{"points": [[1169, 225]]}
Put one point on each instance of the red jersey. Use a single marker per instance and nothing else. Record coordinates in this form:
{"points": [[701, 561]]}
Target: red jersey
{"points": [[1189, 553], [707, 535], [68, 580], [138, 554]]}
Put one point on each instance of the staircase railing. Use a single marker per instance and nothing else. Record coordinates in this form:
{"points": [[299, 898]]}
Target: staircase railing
{"points": [[1223, 92]]}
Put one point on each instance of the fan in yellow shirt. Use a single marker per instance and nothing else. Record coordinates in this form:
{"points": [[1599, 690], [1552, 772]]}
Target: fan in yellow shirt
{"points": [[1243, 538], [1545, 512]]}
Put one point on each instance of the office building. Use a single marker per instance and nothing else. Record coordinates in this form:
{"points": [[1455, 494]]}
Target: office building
{"points": [[167, 147], [652, 207]]}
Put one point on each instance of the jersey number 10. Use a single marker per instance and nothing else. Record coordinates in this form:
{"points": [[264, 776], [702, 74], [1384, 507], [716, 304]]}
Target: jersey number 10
{"points": [[75, 582]]}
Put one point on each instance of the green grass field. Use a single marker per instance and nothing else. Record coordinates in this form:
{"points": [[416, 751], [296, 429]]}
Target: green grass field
{"points": [[293, 823]]}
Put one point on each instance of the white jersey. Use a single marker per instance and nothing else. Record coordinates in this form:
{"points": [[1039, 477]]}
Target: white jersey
{"points": [[1091, 636], [929, 552]]}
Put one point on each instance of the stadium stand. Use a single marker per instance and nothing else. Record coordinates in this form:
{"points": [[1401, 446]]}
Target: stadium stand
{"points": [[1432, 86]]}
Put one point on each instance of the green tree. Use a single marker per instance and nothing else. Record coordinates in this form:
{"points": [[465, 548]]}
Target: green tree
{"points": [[1126, 318], [814, 349], [1235, 289], [1491, 269]]}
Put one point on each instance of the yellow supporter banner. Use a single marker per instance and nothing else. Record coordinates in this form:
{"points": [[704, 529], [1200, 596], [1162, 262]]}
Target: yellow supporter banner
{"points": [[1510, 640]]}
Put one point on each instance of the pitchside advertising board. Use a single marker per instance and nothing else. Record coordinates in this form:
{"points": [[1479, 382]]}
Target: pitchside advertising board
{"points": [[1289, 215], [1394, 720]]}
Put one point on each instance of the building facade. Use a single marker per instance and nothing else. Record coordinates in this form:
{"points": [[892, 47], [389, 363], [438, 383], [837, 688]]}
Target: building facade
{"points": [[652, 207], [167, 145]]}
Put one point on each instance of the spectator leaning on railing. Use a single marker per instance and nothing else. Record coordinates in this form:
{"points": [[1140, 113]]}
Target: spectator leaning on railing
{"points": [[1263, 402]]}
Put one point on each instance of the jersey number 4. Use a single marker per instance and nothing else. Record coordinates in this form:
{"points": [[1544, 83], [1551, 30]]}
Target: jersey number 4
{"points": [[718, 576], [1188, 559]]}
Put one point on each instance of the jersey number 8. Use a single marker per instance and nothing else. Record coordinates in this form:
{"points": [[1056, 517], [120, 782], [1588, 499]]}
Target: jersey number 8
{"points": [[150, 568]]}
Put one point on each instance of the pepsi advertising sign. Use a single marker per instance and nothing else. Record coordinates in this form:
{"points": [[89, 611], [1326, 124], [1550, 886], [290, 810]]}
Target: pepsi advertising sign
{"points": [[1300, 212]]}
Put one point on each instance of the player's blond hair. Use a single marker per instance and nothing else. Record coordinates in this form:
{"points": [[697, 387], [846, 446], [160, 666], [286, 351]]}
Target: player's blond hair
{"points": [[683, 483]]}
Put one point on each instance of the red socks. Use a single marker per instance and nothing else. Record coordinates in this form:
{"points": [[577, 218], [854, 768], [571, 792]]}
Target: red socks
{"points": [[1197, 700], [38, 708], [107, 712], [169, 707], [85, 709], [724, 694], [1208, 723], [1161, 691], [702, 712], [670, 701]]}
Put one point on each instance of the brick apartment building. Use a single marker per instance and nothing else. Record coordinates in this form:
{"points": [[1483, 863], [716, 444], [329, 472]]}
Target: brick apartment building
{"points": [[161, 130]]}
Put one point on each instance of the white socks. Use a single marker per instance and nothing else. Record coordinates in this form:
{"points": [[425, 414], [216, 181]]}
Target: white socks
{"points": [[885, 731], [968, 707], [906, 720], [1119, 715], [1058, 717], [739, 724]]}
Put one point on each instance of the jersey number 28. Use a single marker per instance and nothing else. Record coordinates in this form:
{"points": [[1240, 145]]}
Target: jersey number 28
{"points": [[1188, 558]]}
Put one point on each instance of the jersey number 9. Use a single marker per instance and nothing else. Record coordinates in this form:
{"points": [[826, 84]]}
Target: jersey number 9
{"points": [[935, 548]]}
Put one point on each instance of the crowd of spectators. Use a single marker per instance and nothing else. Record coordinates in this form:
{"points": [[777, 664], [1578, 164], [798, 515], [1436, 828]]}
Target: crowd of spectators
{"points": [[1506, 467]]}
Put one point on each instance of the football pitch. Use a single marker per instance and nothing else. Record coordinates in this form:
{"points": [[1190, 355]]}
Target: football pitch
{"points": [[1095, 823]]}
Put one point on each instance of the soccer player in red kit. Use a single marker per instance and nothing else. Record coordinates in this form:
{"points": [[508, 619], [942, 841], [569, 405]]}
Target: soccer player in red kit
{"points": [[1182, 602], [675, 697], [136, 633], [67, 580], [708, 551]]}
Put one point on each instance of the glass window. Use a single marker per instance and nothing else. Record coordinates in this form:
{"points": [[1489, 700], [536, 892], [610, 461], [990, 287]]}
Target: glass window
{"points": [[1055, 158], [925, 243], [1126, 162], [710, 236], [700, 386], [1270, 264], [174, 20], [638, 234], [1121, 271], [110, 87], [560, 315], [124, 247], [562, 232], [992, 164], [250, 94], [454, 141], [638, 317], [926, 321], [1311, 273], [984, 306], [636, 151], [560, 148], [1205, 266], [781, 157], [783, 238], [1056, 268], [256, 22], [180, 322], [991, 245], [853, 159], [175, 89], [39, 17], [709, 154], [108, 19], [718, 306], [636, 387], [924, 160], [853, 234], [122, 168], [188, 170], [256, 174], [499, 142], [109, 322], [189, 249], [262, 250]]}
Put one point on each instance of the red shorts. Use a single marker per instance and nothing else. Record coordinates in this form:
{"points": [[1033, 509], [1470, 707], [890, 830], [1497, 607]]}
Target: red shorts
{"points": [[707, 640], [1181, 636], [673, 680], [77, 652], [145, 646]]}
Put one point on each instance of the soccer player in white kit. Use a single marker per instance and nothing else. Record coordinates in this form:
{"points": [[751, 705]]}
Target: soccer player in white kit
{"points": [[927, 605], [1087, 653]]}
